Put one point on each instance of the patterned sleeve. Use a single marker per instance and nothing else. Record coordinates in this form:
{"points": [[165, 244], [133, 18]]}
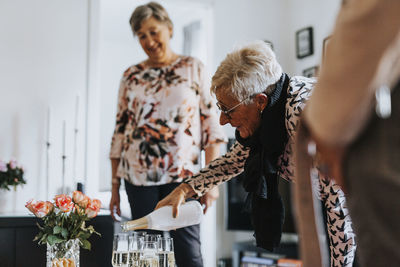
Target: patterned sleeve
{"points": [[219, 170], [121, 121], [211, 130], [299, 91]]}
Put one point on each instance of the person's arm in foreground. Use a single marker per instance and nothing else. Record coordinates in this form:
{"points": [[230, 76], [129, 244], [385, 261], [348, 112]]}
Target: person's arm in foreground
{"points": [[344, 94], [347, 83], [218, 171], [341, 103]]}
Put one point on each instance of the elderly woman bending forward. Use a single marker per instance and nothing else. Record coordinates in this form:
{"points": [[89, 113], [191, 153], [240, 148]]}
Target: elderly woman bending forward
{"points": [[264, 105]]}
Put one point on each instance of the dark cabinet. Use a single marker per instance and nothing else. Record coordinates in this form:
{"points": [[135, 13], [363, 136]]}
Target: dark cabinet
{"points": [[18, 250]]}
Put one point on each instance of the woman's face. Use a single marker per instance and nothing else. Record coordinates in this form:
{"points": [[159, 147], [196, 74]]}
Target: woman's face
{"points": [[154, 38], [245, 118]]}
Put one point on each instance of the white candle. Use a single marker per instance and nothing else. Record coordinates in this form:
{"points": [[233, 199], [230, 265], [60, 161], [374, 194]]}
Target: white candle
{"points": [[75, 140], [48, 126], [63, 139], [47, 151], [76, 112]]}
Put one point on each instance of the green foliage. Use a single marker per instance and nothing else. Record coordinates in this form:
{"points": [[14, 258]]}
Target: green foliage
{"points": [[11, 175]]}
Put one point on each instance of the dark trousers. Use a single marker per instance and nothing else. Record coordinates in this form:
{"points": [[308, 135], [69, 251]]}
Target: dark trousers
{"points": [[187, 247]]}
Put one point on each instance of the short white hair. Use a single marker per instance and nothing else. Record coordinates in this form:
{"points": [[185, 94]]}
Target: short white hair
{"points": [[248, 70]]}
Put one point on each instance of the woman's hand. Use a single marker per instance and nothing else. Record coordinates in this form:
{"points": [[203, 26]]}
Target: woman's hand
{"points": [[176, 198], [114, 202], [209, 197]]}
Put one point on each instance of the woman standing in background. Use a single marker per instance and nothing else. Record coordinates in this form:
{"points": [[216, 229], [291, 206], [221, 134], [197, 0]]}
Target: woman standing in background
{"points": [[165, 118]]}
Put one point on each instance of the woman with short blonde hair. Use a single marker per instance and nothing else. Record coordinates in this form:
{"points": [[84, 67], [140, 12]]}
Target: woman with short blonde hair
{"points": [[264, 105]]}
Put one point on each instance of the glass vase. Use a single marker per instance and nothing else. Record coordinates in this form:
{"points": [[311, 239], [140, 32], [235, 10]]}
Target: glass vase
{"points": [[64, 254]]}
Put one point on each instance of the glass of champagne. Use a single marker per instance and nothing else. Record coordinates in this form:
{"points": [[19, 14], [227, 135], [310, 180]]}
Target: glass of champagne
{"points": [[135, 247], [166, 256], [139, 233], [152, 237], [120, 255], [149, 257]]}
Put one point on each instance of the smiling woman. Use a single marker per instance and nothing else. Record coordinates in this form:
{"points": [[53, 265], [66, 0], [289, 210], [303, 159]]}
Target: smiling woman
{"points": [[165, 118], [264, 105], [154, 28]]}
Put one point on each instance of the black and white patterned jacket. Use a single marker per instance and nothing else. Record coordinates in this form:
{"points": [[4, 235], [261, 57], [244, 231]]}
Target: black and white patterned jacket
{"points": [[231, 164]]}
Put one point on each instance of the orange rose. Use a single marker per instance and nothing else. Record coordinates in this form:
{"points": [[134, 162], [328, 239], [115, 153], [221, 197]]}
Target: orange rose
{"points": [[64, 202], [80, 199], [39, 208], [93, 208]]}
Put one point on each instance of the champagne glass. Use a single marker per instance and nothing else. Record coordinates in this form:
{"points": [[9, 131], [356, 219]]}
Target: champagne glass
{"points": [[152, 237], [120, 257], [139, 233], [135, 247], [150, 256], [166, 256]]}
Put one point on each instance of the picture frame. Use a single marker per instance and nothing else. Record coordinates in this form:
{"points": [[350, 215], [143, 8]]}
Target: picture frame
{"points": [[304, 42], [311, 72]]}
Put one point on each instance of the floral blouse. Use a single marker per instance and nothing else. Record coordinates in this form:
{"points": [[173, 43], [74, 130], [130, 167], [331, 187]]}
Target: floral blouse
{"points": [[165, 117], [232, 163]]}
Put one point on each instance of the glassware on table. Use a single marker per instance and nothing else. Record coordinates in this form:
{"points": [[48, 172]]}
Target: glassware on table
{"points": [[120, 256], [149, 258], [152, 237], [135, 248], [166, 256], [139, 233]]}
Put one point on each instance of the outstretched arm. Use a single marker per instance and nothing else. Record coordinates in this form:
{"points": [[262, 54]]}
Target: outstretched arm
{"points": [[218, 171]]}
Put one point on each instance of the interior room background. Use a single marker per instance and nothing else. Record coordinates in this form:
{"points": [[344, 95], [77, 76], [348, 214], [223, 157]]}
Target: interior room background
{"points": [[60, 66]]}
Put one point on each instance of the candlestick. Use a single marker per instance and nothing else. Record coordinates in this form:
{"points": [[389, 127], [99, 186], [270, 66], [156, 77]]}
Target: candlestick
{"points": [[63, 158], [47, 152]]}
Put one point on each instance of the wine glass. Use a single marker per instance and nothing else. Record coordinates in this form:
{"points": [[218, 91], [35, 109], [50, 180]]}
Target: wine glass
{"points": [[120, 257], [166, 256], [150, 256], [135, 247]]}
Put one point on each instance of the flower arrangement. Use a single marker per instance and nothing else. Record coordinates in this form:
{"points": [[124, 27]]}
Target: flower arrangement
{"points": [[11, 174], [64, 219]]}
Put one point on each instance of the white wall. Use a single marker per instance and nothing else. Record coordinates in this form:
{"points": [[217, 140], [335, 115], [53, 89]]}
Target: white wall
{"points": [[320, 14], [42, 66]]}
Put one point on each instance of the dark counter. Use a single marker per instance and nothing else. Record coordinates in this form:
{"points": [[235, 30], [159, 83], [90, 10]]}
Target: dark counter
{"points": [[18, 250]]}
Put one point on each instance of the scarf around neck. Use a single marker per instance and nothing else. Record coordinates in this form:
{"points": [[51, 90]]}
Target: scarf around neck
{"points": [[260, 171]]}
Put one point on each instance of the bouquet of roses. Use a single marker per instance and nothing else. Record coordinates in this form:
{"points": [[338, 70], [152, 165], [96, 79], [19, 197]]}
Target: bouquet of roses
{"points": [[11, 174], [64, 219]]}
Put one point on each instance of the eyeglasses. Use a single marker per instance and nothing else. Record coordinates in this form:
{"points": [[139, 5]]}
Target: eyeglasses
{"points": [[229, 111]]}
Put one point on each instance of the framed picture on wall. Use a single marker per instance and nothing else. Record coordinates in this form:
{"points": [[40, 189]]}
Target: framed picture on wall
{"points": [[304, 42], [311, 72]]}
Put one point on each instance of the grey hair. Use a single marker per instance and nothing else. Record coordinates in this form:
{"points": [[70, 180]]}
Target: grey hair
{"points": [[151, 9], [248, 70]]}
